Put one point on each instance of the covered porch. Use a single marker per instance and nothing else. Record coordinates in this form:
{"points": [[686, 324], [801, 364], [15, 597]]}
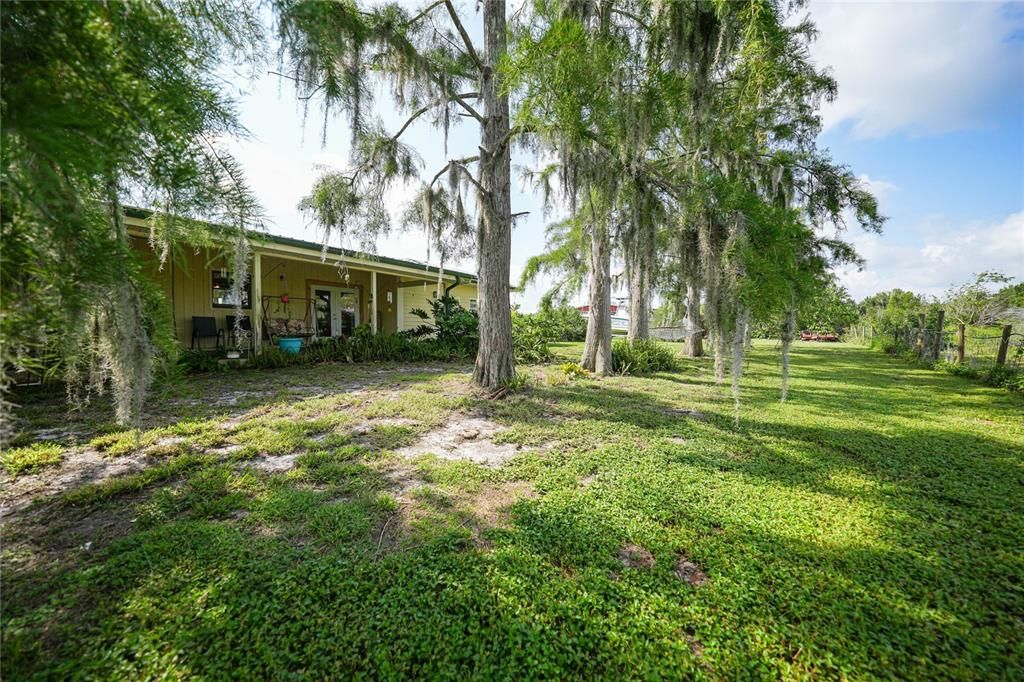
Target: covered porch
{"points": [[296, 294], [292, 290]]}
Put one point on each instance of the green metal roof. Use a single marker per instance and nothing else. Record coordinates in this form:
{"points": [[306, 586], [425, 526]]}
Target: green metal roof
{"points": [[143, 214]]}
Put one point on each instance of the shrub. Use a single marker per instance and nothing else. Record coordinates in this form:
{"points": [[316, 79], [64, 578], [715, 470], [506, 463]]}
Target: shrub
{"points": [[529, 341], [31, 458], [573, 370], [562, 323], [643, 356], [199, 361], [450, 325], [519, 381], [1005, 377]]}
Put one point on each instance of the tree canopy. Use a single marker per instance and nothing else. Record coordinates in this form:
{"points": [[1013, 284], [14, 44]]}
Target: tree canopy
{"points": [[103, 101]]}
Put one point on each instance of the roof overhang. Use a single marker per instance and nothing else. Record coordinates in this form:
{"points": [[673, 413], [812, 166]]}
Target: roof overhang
{"points": [[295, 249]]}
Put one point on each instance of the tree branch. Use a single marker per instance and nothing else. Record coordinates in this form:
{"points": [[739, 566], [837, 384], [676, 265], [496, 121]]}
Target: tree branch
{"points": [[300, 81], [424, 12], [424, 109], [630, 15], [465, 36], [469, 110], [512, 132], [461, 165]]}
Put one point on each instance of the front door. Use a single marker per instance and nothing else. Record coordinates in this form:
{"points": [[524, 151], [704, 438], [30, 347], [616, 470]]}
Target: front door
{"points": [[336, 311]]}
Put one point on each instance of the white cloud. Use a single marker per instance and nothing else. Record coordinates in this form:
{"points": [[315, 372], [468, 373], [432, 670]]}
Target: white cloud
{"points": [[936, 254], [917, 67]]}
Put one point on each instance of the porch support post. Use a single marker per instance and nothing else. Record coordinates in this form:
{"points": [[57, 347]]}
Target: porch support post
{"points": [[256, 309], [373, 300]]}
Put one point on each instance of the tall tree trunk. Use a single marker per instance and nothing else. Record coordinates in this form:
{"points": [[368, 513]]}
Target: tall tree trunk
{"points": [[639, 255], [694, 330], [495, 363], [597, 351]]}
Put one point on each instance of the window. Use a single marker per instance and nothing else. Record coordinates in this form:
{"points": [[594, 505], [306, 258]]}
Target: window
{"points": [[221, 283], [473, 305]]}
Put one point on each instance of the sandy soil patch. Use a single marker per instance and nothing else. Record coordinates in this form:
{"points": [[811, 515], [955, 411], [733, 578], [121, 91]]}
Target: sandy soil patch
{"points": [[274, 464], [690, 572], [636, 556], [464, 437], [78, 468]]}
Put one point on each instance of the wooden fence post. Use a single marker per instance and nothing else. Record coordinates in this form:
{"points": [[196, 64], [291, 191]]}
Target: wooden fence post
{"points": [[1004, 345], [961, 342], [920, 335], [937, 345]]}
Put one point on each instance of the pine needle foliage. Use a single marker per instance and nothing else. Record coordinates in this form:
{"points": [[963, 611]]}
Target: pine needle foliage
{"points": [[697, 123], [337, 53], [104, 102]]}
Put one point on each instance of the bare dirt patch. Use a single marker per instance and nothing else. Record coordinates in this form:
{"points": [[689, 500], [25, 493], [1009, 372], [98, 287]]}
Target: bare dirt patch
{"points": [[78, 468], [690, 572], [464, 437], [52, 534], [635, 556], [404, 480], [274, 464], [491, 505]]}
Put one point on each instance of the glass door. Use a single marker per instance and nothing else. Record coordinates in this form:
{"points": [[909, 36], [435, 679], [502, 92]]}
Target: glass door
{"points": [[336, 311], [322, 311], [348, 311]]}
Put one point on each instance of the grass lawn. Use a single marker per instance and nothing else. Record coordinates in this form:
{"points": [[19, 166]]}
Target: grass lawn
{"points": [[294, 524]]}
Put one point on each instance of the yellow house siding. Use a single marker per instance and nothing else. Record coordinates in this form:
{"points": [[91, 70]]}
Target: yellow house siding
{"points": [[419, 296], [185, 281]]}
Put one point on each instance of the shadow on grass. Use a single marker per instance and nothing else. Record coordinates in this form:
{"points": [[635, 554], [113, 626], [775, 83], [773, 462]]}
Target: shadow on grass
{"points": [[841, 548], [203, 598]]}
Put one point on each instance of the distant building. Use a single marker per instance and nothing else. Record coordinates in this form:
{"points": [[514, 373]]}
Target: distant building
{"points": [[619, 313]]}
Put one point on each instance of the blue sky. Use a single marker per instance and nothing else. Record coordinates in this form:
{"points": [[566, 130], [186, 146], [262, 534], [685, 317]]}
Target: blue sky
{"points": [[930, 114]]}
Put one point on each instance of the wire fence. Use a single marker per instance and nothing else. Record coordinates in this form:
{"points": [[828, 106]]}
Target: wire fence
{"points": [[974, 348], [962, 346]]}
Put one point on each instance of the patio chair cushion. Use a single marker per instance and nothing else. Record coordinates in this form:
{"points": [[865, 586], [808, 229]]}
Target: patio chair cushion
{"points": [[296, 327]]}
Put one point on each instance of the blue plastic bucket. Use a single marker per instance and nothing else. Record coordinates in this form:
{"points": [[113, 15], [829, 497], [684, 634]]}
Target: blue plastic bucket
{"points": [[290, 346]]}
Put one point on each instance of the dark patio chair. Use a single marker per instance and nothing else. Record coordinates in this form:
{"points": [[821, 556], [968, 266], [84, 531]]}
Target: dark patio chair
{"points": [[206, 328]]}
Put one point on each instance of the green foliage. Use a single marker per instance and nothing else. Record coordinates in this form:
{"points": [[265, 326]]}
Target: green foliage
{"points": [[891, 311], [826, 529], [102, 102], [198, 361], [530, 338], [830, 309], [572, 370], [532, 332], [975, 303], [449, 325], [643, 356], [520, 381], [31, 458], [365, 346], [1002, 376], [561, 323]]}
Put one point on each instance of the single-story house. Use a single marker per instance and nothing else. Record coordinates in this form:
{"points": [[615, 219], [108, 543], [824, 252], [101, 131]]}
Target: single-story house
{"points": [[293, 291]]}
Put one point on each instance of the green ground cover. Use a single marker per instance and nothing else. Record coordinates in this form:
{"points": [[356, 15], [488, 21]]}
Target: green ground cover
{"points": [[870, 527]]}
